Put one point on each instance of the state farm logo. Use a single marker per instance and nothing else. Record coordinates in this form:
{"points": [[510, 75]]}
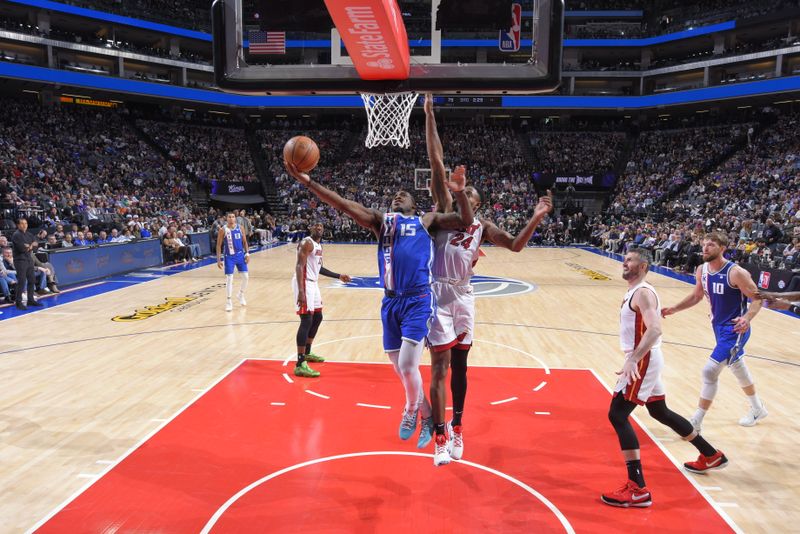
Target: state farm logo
{"points": [[385, 64], [370, 37]]}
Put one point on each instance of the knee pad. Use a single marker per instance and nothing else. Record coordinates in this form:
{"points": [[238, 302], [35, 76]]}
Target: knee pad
{"points": [[711, 373], [742, 373]]}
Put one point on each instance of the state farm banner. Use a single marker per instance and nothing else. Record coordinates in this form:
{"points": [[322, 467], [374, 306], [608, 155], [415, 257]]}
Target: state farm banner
{"points": [[219, 187], [375, 36], [579, 181]]}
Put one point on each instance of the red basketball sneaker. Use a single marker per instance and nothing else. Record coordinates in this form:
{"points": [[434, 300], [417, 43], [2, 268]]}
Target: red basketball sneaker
{"points": [[707, 463], [629, 495]]}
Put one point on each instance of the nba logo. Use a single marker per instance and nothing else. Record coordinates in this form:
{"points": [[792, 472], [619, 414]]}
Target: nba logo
{"points": [[510, 39], [763, 279]]}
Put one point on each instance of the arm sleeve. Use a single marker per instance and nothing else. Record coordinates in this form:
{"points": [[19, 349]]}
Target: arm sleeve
{"points": [[325, 272]]}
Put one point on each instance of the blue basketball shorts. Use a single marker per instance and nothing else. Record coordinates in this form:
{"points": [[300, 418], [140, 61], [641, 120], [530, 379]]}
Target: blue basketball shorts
{"points": [[406, 318], [235, 261], [726, 341]]}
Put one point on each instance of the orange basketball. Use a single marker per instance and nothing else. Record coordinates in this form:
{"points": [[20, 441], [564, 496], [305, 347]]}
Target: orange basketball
{"points": [[302, 151]]}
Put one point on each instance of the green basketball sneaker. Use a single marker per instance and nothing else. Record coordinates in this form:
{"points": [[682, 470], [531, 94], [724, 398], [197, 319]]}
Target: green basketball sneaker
{"points": [[314, 358], [304, 370]]}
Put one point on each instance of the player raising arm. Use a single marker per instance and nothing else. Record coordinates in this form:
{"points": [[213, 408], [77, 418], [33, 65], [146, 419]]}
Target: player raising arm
{"points": [[405, 254], [455, 255]]}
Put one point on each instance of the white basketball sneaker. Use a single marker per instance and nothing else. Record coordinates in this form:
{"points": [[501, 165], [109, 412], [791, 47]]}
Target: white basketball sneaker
{"points": [[228, 305], [440, 454], [241, 299], [754, 416], [456, 443]]}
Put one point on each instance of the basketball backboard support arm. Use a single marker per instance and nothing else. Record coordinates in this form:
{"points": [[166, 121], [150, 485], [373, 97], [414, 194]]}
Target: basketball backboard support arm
{"points": [[540, 72]]}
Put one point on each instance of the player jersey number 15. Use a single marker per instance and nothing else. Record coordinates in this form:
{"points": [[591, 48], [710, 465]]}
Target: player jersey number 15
{"points": [[408, 230]]}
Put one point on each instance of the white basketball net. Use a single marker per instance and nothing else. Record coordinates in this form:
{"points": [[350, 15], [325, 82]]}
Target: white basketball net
{"points": [[387, 118]]}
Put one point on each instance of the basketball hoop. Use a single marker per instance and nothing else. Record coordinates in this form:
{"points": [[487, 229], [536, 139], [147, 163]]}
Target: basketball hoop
{"points": [[387, 118]]}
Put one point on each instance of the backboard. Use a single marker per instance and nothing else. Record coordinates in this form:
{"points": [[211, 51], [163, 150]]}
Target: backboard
{"points": [[294, 47]]}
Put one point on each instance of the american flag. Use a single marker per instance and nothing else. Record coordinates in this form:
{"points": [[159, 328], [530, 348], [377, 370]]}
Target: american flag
{"points": [[267, 42]]}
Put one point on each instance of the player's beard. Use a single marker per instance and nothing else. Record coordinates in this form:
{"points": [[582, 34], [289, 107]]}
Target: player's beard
{"points": [[708, 257]]}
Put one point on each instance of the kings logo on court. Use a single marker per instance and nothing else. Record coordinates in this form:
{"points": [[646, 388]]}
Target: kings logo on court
{"points": [[483, 286]]}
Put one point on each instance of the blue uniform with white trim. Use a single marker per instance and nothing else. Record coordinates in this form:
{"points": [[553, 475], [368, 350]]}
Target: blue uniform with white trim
{"points": [[233, 246], [727, 304], [405, 257]]}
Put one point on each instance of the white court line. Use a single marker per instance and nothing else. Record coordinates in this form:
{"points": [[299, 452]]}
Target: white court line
{"points": [[541, 362], [541, 413], [89, 475], [128, 453], [230, 502], [449, 408], [290, 358], [277, 404], [104, 462], [540, 386], [503, 401], [320, 395], [358, 362], [679, 466], [373, 406], [287, 378]]}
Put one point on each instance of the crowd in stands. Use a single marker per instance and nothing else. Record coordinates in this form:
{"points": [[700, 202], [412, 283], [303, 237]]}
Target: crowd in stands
{"points": [[88, 178], [664, 160], [584, 152], [205, 152]]}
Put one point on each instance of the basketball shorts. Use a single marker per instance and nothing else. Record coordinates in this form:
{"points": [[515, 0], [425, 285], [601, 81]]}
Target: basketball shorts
{"points": [[313, 303], [455, 317], [406, 318], [237, 262], [649, 387], [726, 341]]}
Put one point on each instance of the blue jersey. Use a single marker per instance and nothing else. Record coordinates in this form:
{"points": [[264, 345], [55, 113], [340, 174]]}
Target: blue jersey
{"points": [[727, 302], [232, 244], [405, 254]]}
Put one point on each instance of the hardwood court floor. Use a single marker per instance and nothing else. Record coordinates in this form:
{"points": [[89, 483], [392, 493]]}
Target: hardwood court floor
{"points": [[79, 390]]}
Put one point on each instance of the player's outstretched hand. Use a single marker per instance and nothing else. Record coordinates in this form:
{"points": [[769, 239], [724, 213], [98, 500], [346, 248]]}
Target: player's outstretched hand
{"points": [[345, 278], [665, 312], [545, 204], [428, 103], [779, 304], [295, 173], [767, 295], [629, 371], [458, 179], [741, 324]]}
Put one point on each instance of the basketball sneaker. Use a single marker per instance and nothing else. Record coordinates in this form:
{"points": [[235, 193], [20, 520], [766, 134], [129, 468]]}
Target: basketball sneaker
{"points": [[314, 358], [408, 424], [425, 432], [456, 444], [754, 416], [628, 496], [707, 463], [228, 305], [440, 454], [241, 299], [305, 371]]}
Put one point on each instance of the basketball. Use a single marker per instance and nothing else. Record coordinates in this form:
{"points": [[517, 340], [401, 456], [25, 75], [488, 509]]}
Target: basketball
{"points": [[302, 151]]}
